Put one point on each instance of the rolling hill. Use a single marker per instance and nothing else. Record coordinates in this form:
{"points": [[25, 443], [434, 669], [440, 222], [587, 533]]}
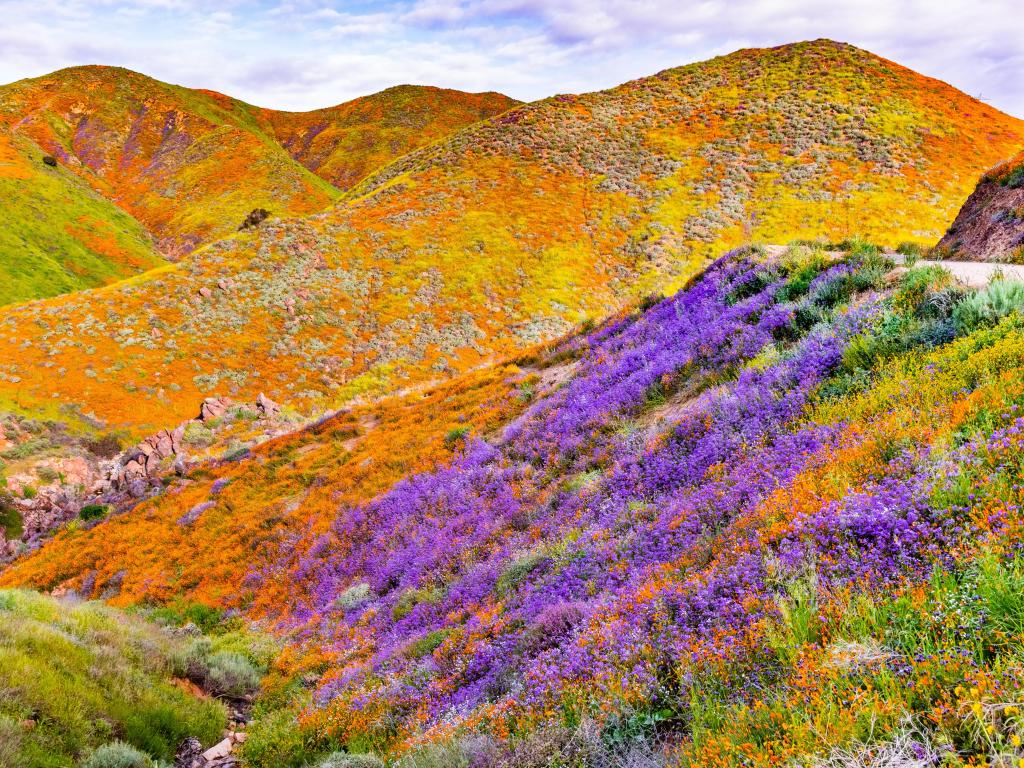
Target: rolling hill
{"points": [[60, 235], [510, 232], [343, 144], [186, 165]]}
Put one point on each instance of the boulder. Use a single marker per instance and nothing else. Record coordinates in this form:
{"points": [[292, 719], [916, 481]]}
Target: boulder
{"points": [[219, 750], [266, 407], [256, 217], [50, 160], [213, 408]]}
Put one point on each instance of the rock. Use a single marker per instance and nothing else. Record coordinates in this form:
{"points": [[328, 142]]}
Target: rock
{"points": [[256, 217], [189, 754], [266, 407], [219, 750], [50, 160], [205, 292], [213, 408]]}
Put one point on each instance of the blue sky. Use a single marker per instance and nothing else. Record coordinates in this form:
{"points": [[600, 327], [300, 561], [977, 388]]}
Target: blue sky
{"points": [[309, 53]]}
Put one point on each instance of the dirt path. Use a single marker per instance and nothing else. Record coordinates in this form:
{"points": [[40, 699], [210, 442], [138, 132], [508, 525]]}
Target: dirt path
{"points": [[976, 274]]}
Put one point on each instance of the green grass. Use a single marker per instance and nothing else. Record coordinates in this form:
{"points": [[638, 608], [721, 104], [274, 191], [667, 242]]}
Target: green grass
{"points": [[52, 225], [74, 677]]}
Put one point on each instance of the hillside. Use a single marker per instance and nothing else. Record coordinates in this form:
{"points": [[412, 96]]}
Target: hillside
{"points": [[58, 234], [990, 226], [76, 676], [345, 143], [510, 233], [188, 165], [147, 170], [769, 520]]}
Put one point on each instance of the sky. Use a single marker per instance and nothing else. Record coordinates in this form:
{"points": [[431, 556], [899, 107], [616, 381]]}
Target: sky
{"points": [[314, 53]]}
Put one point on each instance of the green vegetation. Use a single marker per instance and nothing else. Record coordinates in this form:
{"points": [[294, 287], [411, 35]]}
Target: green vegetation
{"points": [[58, 235], [75, 677]]}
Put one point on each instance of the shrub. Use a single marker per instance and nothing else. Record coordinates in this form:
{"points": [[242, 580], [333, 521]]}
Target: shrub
{"points": [[344, 760], [232, 675], [117, 755], [455, 437], [94, 511], [354, 597], [1015, 178], [986, 308]]}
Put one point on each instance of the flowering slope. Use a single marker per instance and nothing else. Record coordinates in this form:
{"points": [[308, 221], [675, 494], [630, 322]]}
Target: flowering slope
{"points": [[511, 232], [345, 143], [145, 168], [713, 522]]}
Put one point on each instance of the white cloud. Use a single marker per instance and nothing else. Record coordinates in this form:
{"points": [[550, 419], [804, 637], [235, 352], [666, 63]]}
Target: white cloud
{"points": [[301, 54]]}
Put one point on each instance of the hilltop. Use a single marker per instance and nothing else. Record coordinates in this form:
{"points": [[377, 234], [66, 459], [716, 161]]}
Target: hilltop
{"points": [[146, 170], [512, 231], [990, 226], [769, 520], [345, 143]]}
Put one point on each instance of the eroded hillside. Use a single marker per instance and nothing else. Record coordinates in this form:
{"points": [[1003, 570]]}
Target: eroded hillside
{"points": [[990, 226]]}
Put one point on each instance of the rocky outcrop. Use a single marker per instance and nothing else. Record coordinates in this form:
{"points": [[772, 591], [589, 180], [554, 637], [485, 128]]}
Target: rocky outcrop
{"points": [[266, 407], [213, 408], [148, 459], [990, 225], [90, 487]]}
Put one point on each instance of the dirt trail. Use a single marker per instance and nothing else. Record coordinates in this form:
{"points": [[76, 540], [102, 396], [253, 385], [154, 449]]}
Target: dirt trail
{"points": [[976, 274]]}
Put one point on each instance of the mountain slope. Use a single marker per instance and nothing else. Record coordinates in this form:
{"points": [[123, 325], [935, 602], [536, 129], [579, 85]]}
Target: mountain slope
{"points": [[990, 226], [58, 234], [750, 524], [514, 230], [188, 165], [342, 144]]}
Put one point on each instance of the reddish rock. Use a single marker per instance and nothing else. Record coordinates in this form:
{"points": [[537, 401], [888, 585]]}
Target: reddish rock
{"points": [[213, 408], [266, 407]]}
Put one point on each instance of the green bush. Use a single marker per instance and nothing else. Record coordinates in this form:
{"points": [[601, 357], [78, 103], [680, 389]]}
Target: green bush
{"points": [[455, 437], [117, 755], [344, 760], [231, 674], [987, 307], [94, 511]]}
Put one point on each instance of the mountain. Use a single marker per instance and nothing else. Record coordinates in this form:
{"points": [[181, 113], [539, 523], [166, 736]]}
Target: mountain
{"points": [[990, 226], [60, 235], [345, 143], [186, 165], [755, 523], [510, 232]]}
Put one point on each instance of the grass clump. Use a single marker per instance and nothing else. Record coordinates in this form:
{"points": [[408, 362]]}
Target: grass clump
{"points": [[343, 760], [117, 754]]}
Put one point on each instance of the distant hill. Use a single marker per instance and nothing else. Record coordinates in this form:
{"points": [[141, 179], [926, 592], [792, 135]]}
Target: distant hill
{"points": [[187, 165], [345, 143], [990, 226], [510, 232]]}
